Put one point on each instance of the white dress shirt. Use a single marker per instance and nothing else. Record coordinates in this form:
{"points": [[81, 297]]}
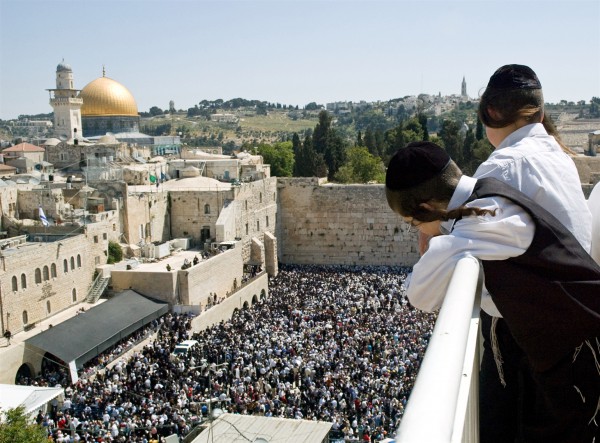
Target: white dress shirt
{"points": [[533, 162], [488, 237]]}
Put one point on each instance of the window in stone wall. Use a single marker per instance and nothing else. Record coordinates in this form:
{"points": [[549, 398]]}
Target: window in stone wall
{"points": [[257, 225], [25, 318], [65, 266], [15, 284], [78, 261], [46, 273], [97, 260], [114, 226], [23, 281], [74, 292], [260, 197], [207, 209], [48, 307], [53, 270], [246, 228], [267, 221], [38, 275], [95, 239], [105, 236], [72, 263], [246, 202]]}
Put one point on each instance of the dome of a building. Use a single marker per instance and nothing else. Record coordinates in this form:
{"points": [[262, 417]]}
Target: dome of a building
{"points": [[62, 66], [107, 97]]}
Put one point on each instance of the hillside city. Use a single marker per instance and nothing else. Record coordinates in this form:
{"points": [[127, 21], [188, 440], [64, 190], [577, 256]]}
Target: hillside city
{"points": [[159, 266]]}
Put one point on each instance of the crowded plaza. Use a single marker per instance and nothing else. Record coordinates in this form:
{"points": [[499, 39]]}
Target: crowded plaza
{"points": [[337, 344]]}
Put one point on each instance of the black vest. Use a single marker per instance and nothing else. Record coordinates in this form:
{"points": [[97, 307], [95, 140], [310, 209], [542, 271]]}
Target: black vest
{"points": [[550, 295]]}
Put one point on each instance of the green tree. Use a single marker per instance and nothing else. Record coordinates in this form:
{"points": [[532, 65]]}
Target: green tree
{"points": [[115, 253], [370, 141], [280, 156], [451, 140], [359, 139], [479, 130], [423, 122], [308, 162], [469, 163], [155, 110], [360, 167], [16, 428], [327, 142]]}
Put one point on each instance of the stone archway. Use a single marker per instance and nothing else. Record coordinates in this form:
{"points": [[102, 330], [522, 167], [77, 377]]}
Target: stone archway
{"points": [[24, 374], [254, 299], [263, 294], [235, 312], [246, 305]]}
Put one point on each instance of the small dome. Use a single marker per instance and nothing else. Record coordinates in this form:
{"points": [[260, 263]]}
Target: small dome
{"points": [[106, 97], [108, 139], [62, 66], [52, 142]]}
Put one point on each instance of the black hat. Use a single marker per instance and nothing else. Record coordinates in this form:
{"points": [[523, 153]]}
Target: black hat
{"points": [[514, 77], [414, 164]]}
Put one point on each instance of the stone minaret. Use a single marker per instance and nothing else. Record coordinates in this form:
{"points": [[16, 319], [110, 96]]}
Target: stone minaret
{"points": [[67, 104], [463, 88]]}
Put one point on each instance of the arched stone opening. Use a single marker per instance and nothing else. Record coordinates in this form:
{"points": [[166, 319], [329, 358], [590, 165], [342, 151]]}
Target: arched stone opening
{"points": [[24, 374]]}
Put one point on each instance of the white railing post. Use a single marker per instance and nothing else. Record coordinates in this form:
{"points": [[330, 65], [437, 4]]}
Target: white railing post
{"points": [[443, 405]]}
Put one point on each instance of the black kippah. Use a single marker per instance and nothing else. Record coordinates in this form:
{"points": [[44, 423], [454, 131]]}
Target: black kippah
{"points": [[414, 164], [514, 77]]}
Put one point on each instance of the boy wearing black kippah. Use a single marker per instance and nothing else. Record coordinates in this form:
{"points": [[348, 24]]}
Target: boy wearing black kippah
{"points": [[542, 281]]}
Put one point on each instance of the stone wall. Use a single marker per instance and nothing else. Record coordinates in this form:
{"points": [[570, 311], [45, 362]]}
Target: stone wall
{"points": [[219, 275], [248, 295], [160, 285], [146, 217], [333, 224], [589, 172], [38, 280], [256, 211]]}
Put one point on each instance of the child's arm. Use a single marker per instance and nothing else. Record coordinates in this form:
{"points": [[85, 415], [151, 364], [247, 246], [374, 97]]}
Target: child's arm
{"points": [[490, 237]]}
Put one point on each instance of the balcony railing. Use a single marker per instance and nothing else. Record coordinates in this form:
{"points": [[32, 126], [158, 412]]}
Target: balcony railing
{"points": [[443, 405]]}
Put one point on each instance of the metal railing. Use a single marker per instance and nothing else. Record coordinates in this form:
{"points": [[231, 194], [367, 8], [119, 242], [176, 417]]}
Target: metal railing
{"points": [[443, 405]]}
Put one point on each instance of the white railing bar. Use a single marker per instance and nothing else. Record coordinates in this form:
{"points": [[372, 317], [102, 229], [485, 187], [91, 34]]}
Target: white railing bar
{"points": [[432, 407], [466, 420]]}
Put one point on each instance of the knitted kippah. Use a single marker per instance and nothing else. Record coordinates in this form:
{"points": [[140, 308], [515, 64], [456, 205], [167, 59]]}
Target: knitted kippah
{"points": [[414, 164], [514, 77]]}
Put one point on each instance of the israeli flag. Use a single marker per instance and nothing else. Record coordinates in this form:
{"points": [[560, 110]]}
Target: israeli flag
{"points": [[43, 217]]}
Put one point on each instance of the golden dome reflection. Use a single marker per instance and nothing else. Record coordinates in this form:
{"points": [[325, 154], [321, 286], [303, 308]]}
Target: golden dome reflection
{"points": [[105, 97]]}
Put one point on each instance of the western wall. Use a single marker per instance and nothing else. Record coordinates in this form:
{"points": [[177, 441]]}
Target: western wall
{"points": [[325, 224]]}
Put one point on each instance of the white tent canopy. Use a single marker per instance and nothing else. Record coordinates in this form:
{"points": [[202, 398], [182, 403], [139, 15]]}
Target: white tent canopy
{"points": [[31, 398]]}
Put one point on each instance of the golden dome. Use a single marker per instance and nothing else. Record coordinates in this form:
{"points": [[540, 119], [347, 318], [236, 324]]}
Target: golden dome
{"points": [[105, 97]]}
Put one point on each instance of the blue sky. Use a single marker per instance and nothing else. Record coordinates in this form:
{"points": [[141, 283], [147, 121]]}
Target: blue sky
{"points": [[293, 51]]}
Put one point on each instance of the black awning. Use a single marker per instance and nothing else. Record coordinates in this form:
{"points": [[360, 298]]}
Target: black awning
{"points": [[88, 334]]}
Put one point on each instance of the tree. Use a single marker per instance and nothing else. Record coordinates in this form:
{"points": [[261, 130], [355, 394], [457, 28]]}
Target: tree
{"points": [[370, 141], [423, 122], [115, 253], [155, 110], [360, 167], [308, 162], [17, 428], [451, 140], [280, 156], [467, 153], [479, 130], [329, 144]]}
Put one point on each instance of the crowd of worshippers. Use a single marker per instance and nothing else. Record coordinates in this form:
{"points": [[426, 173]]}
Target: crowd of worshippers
{"points": [[335, 344]]}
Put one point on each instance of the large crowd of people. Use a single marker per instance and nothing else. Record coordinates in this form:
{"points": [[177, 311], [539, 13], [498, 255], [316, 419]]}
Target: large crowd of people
{"points": [[337, 344]]}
